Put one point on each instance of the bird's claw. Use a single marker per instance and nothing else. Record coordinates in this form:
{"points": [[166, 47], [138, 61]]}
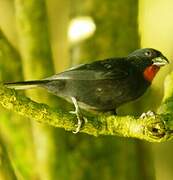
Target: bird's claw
{"points": [[147, 114], [72, 112], [79, 116], [78, 126], [80, 120]]}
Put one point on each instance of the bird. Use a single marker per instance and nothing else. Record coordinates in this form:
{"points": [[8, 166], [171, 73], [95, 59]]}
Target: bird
{"points": [[102, 85]]}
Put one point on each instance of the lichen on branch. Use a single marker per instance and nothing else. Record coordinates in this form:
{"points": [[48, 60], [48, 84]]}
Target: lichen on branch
{"points": [[157, 128]]}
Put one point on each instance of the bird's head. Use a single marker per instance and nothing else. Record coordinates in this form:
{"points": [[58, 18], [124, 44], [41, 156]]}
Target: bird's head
{"points": [[148, 61]]}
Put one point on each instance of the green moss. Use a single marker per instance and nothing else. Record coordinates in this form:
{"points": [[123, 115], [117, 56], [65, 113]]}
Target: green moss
{"points": [[158, 128]]}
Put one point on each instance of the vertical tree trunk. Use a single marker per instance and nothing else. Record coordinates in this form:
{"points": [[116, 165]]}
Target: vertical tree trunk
{"points": [[31, 17], [11, 70]]}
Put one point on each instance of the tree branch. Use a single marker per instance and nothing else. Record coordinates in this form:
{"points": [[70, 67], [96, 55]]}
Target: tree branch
{"points": [[158, 128]]}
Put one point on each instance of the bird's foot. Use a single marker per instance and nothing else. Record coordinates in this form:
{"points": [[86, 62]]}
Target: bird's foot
{"points": [[147, 114], [79, 116], [79, 120]]}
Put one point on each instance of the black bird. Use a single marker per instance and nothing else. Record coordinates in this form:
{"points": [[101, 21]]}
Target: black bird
{"points": [[103, 85]]}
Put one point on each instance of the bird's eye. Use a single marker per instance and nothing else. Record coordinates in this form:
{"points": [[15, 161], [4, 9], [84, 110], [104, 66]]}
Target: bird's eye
{"points": [[148, 53]]}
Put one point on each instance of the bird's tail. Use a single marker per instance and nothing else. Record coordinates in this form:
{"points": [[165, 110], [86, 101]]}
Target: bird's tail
{"points": [[25, 84]]}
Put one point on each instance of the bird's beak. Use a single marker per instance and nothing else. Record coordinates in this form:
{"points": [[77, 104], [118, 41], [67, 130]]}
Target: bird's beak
{"points": [[160, 61]]}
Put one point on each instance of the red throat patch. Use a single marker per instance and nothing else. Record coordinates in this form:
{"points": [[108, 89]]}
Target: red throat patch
{"points": [[150, 72]]}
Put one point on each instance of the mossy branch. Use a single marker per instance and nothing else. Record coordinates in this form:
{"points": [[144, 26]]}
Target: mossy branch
{"points": [[158, 128]]}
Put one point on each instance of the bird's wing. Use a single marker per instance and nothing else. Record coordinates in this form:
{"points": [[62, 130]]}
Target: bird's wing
{"points": [[98, 70]]}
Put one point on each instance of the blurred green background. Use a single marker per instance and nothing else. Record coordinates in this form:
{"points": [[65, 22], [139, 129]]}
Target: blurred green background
{"points": [[46, 37]]}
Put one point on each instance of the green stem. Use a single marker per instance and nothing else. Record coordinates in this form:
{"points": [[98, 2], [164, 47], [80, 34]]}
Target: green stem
{"points": [[33, 33], [10, 61], [6, 169], [167, 102]]}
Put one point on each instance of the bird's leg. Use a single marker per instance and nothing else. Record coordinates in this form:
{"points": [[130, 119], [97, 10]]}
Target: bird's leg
{"points": [[147, 114], [78, 114]]}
